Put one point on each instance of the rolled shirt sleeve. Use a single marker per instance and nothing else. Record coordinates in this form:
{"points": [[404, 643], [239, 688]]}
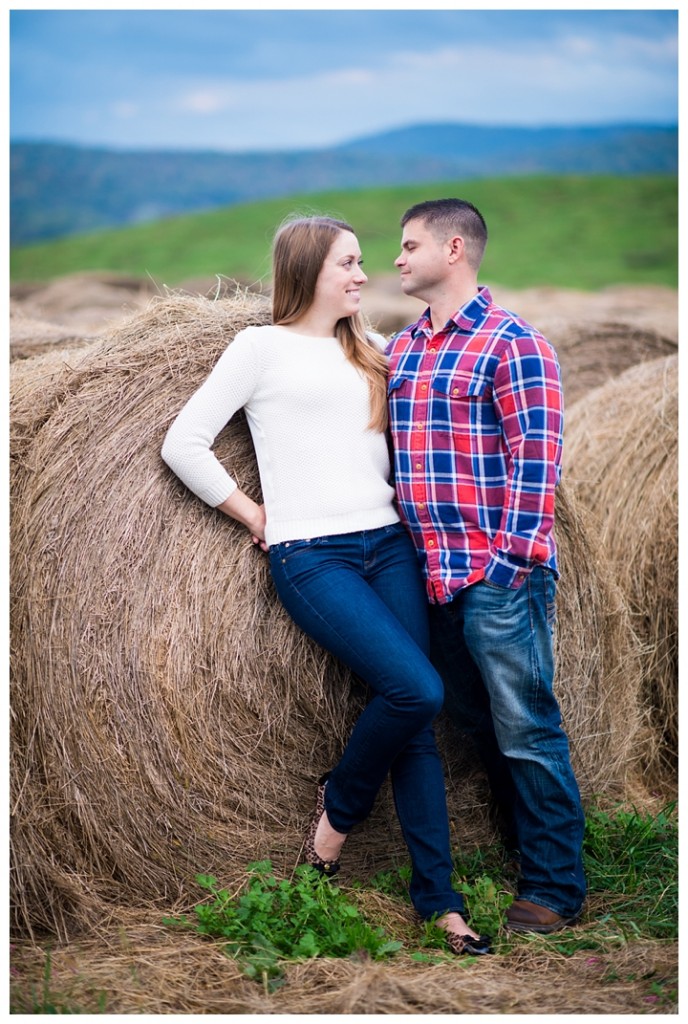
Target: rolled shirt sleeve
{"points": [[529, 403]]}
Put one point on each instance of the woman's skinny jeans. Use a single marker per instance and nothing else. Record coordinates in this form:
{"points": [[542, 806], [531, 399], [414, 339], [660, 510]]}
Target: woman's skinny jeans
{"points": [[360, 596]]}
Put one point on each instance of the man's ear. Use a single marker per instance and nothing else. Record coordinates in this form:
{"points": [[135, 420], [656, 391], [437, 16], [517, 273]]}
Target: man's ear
{"points": [[456, 248]]}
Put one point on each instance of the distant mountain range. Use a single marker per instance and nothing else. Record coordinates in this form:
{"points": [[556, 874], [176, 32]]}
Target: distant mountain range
{"points": [[58, 190]]}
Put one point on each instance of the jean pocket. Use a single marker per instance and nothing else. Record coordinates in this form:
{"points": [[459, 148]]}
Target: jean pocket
{"points": [[288, 549], [550, 599], [394, 528], [496, 586]]}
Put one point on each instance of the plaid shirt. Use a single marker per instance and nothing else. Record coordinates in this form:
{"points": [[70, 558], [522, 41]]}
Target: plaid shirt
{"points": [[476, 422]]}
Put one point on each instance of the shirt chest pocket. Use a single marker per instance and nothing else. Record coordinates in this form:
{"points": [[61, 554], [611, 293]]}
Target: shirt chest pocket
{"points": [[459, 403], [462, 386], [399, 386]]}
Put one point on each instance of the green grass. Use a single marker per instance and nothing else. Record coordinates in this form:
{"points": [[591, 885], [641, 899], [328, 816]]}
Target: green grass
{"points": [[565, 231], [275, 920], [631, 863], [631, 867], [46, 999]]}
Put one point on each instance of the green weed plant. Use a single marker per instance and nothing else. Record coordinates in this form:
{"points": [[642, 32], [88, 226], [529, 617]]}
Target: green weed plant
{"points": [[275, 920], [631, 864]]}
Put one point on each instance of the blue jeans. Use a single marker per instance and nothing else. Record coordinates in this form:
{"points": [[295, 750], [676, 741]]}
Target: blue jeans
{"points": [[493, 648], [360, 596]]}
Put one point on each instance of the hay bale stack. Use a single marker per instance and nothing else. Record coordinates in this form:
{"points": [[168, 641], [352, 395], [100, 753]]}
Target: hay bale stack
{"points": [[592, 353], [87, 304], [599, 334], [621, 454], [30, 337], [386, 306], [168, 718]]}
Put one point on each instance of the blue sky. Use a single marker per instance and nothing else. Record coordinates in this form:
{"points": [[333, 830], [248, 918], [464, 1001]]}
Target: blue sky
{"points": [[231, 79]]}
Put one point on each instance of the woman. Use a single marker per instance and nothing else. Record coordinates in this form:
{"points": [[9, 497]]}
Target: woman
{"points": [[313, 388]]}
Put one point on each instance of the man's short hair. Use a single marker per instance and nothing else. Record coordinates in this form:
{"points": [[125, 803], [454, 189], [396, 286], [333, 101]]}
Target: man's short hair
{"points": [[449, 217]]}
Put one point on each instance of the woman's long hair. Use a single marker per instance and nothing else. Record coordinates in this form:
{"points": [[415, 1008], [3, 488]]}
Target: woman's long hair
{"points": [[299, 251]]}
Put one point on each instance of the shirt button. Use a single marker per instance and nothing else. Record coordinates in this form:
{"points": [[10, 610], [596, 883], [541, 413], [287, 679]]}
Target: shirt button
{"points": [[431, 543], [418, 465], [455, 391], [424, 387]]}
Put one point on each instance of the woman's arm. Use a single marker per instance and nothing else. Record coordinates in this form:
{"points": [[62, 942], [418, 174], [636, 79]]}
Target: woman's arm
{"points": [[187, 449], [242, 508]]}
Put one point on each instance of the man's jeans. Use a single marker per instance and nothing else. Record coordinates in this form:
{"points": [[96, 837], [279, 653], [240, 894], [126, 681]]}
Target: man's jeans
{"points": [[493, 648], [361, 597]]}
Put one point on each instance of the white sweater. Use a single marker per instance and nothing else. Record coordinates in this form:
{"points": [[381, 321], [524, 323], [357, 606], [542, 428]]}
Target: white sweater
{"points": [[322, 471]]}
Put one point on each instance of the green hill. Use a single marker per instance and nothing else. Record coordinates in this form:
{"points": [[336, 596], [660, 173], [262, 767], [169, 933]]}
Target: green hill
{"points": [[58, 190], [571, 231]]}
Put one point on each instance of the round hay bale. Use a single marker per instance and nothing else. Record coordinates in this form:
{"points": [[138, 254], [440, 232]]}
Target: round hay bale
{"points": [[598, 335], [86, 303], [31, 337], [36, 384], [594, 352], [652, 308], [69, 293], [621, 453], [386, 306], [167, 716]]}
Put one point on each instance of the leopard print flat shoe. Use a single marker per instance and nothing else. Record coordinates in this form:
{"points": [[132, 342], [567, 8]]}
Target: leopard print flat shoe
{"points": [[466, 945], [327, 868]]}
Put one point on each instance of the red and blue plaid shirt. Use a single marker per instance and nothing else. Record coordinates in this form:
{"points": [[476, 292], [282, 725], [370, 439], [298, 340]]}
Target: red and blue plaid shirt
{"points": [[476, 417]]}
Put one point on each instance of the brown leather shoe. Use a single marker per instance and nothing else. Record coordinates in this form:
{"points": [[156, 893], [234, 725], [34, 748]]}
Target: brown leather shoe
{"points": [[524, 916]]}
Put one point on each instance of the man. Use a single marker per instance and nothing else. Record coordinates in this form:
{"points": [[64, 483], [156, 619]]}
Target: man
{"points": [[476, 419]]}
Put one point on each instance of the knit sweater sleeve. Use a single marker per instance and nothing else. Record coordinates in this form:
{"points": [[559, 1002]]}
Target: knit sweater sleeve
{"points": [[187, 448]]}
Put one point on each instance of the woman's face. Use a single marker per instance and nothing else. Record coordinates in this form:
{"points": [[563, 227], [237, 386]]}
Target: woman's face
{"points": [[338, 289]]}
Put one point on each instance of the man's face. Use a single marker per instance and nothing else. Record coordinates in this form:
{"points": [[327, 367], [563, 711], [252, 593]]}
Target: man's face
{"points": [[424, 260]]}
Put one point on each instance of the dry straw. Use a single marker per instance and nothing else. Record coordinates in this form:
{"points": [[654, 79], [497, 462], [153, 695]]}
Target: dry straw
{"points": [[622, 457], [141, 967], [599, 334], [31, 337], [595, 351], [167, 717]]}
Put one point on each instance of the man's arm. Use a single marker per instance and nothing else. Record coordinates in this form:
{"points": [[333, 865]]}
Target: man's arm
{"points": [[529, 402]]}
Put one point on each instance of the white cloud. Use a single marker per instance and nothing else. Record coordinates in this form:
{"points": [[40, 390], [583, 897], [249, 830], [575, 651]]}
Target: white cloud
{"points": [[586, 78], [575, 78], [208, 101], [260, 80], [124, 110]]}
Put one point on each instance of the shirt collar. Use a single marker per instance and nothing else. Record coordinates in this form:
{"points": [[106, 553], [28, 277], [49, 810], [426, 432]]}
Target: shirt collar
{"points": [[465, 318]]}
